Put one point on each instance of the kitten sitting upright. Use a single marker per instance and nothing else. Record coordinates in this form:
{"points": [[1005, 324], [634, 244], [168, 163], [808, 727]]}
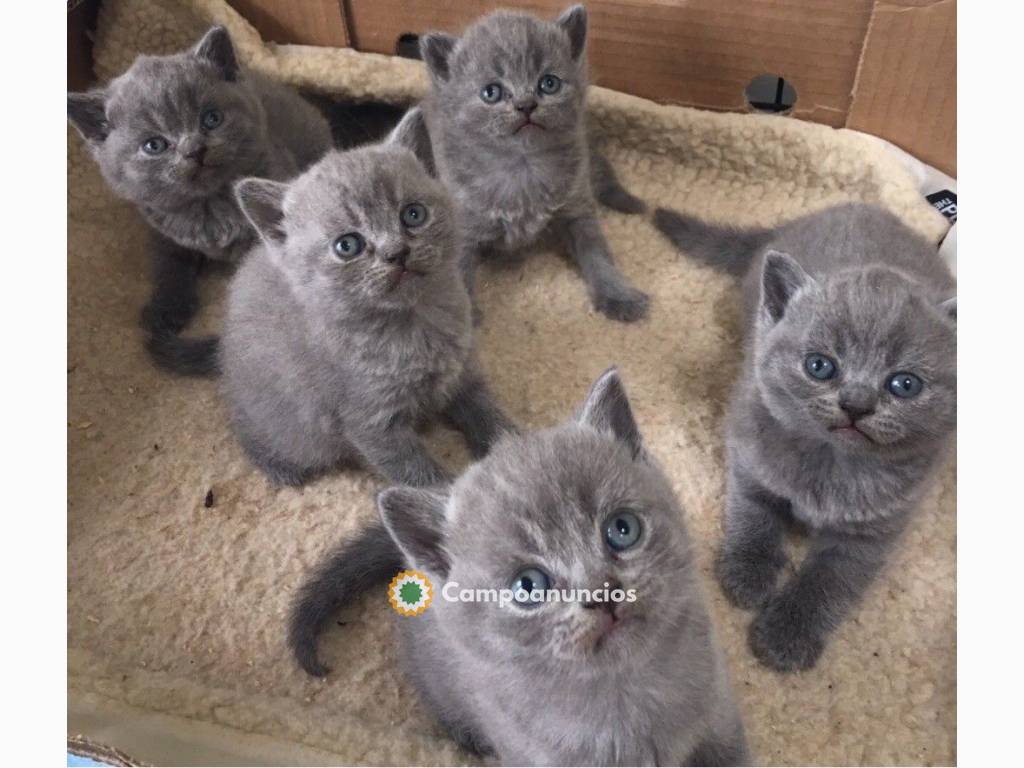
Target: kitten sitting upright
{"points": [[845, 402], [572, 679], [350, 322], [171, 135], [507, 120]]}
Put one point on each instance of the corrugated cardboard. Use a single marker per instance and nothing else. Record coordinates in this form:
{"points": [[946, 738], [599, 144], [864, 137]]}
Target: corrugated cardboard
{"points": [[906, 87], [311, 22], [887, 67]]}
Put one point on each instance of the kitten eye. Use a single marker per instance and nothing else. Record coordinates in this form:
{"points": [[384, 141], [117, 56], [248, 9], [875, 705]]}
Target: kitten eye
{"points": [[414, 215], [211, 118], [155, 145], [491, 93], [349, 246], [528, 581], [820, 367], [622, 530], [550, 84], [905, 384]]}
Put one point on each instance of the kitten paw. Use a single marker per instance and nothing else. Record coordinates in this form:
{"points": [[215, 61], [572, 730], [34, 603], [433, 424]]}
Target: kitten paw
{"points": [[781, 639], [622, 303], [747, 578]]}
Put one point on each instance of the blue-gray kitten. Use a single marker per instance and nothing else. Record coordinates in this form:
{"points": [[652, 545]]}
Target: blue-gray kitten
{"points": [[540, 681], [845, 402], [350, 323], [171, 135], [507, 119]]}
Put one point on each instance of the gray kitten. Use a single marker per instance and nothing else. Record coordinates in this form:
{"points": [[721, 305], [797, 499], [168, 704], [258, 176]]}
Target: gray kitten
{"points": [[507, 118], [845, 402], [349, 323], [540, 681], [171, 135]]}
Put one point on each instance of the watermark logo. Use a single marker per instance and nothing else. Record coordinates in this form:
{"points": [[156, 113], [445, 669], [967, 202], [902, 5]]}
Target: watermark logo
{"points": [[410, 592]]}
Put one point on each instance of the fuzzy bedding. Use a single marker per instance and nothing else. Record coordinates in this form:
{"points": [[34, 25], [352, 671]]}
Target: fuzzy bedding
{"points": [[182, 558]]}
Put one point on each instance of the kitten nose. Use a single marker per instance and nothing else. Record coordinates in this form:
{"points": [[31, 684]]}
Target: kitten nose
{"points": [[857, 401], [194, 152], [398, 257], [608, 605], [526, 106]]}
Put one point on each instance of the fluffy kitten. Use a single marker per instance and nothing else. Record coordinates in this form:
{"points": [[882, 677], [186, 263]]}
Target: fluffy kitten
{"points": [[507, 119], [171, 135], [845, 401], [350, 323], [580, 506]]}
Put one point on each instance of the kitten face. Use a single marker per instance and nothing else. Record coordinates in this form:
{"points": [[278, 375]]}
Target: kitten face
{"points": [[176, 128], [366, 226], [544, 504], [514, 80], [864, 360]]}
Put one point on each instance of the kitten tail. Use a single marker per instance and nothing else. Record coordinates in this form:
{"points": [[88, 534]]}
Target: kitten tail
{"points": [[609, 190], [188, 357], [350, 569], [726, 248]]}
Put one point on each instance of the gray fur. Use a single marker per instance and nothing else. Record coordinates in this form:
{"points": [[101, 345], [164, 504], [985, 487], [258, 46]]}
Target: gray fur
{"points": [[514, 183], [854, 283], [562, 684], [327, 361], [185, 193]]}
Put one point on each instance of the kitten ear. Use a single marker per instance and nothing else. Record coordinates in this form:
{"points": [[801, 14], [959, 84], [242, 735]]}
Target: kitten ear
{"points": [[87, 112], [574, 22], [781, 277], [412, 134], [415, 519], [217, 49], [949, 307], [436, 49], [606, 409], [261, 200]]}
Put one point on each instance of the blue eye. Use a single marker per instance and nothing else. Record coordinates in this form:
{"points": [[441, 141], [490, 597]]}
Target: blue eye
{"points": [[491, 93], [212, 118], [622, 530], [527, 581], [820, 367], [550, 84], [414, 215], [349, 246], [905, 385], [155, 145]]}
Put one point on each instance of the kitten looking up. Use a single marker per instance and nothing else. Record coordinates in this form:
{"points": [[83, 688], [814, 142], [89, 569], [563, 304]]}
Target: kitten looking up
{"points": [[845, 403], [541, 681], [507, 118], [171, 135], [349, 323]]}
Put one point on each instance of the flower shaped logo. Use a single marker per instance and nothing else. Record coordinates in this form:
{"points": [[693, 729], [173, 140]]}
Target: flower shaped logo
{"points": [[410, 592]]}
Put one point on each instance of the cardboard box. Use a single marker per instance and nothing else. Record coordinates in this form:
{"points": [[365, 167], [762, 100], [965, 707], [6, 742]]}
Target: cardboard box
{"points": [[887, 67]]}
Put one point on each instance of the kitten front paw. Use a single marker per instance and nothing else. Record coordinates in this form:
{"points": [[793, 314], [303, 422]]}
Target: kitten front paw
{"points": [[747, 577], [621, 302], [782, 638]]}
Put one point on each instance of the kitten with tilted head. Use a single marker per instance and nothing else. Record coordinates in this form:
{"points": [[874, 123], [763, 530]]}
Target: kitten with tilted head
{"points": [[540, 680], [171, 135], [349, 323], [845, 403], [506, 115]]}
